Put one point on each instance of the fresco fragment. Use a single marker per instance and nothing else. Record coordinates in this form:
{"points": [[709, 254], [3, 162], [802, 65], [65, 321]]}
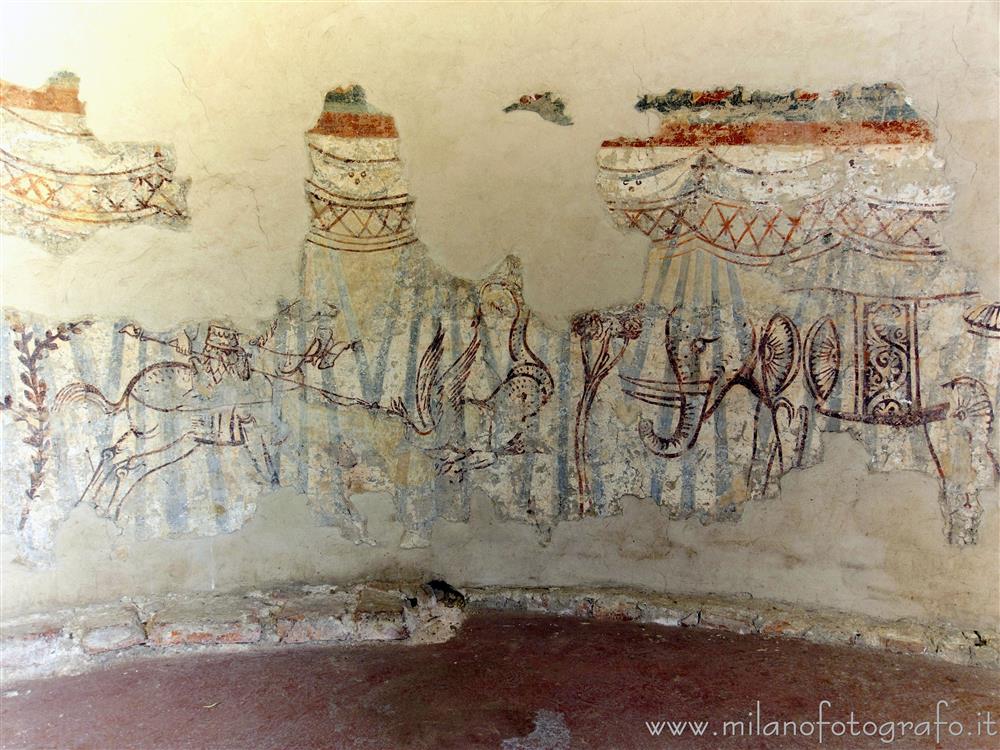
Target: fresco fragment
{"points": [[798, 281], [59, 183]]}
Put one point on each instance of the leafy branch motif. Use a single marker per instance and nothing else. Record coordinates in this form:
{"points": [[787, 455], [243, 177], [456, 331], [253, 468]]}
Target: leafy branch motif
{"points": [[33, 412], [604, 337]]}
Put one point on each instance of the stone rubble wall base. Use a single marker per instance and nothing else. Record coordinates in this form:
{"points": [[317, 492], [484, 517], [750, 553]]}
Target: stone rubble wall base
{"points": [[76, 640], [748, 615]]}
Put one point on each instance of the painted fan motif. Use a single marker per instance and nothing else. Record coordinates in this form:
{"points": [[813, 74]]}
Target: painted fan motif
{"points": [[984, 320], [779, 354], [823, 358], [971, 403]]}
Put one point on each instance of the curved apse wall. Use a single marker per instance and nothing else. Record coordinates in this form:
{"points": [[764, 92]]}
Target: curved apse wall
{"points": [[391, 419]]}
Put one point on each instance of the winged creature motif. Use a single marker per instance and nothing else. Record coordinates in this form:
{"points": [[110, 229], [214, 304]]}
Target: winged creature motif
{"points": [[439, 398]]}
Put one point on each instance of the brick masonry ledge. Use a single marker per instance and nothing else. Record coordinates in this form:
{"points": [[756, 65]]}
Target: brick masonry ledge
{"points": [[744, 614], [76, 640]]}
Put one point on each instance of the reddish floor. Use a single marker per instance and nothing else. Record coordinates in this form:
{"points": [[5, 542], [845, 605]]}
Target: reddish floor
{"points": [[513, 682]]}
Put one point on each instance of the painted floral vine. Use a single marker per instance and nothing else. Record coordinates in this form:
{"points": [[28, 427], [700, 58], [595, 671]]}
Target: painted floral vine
{"points": [[33, 412]]}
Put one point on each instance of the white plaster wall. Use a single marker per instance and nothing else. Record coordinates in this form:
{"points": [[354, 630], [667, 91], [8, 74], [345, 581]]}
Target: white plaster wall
{"points": [[234, 87]]}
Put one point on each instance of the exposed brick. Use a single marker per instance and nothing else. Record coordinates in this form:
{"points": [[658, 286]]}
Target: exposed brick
{"points": [[108, 628], [381, 629], [378, 616], [321, 629], [200, 633], [785, 627], [66, 641], [112, 638], [33, 642], [314, 617], [745, 614], [208, 620], [376, 602], [734, 619], [830, 631], [616, 608]]}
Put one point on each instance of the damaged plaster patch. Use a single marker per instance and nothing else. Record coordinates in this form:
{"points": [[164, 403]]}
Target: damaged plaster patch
{"points": [[59, 183], [550, 733], [549, 107], [883, 102]]}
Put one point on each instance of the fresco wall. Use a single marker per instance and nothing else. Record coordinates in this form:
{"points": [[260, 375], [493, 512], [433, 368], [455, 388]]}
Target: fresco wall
{"points": [[798, 281], [795, 274]]}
